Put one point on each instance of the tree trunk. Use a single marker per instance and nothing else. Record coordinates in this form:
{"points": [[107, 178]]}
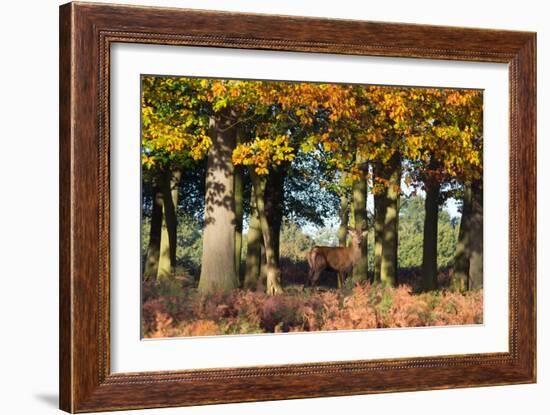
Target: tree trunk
{"points": [[429, 246], [274, 194], [380, 205], [218, 252], [461, 269], [169, 183], [388, 263], [476, 237], [273, 283], [153, 249], [344, 219], [253, 247], [359, 195], [238, 219], [262, 283], [238, 192]]}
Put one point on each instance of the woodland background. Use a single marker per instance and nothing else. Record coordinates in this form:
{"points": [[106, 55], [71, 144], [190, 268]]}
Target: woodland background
{"points": [[242, 178]]}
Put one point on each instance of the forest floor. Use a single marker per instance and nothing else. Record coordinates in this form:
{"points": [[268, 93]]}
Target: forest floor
{"points": [[173, 308]]}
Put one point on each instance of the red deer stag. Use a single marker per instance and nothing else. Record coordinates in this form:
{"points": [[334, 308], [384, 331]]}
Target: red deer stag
{"points": [[338, 259]]}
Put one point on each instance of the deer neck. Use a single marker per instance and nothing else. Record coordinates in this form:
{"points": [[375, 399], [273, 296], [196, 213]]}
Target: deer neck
{"points": [[355, 251]]}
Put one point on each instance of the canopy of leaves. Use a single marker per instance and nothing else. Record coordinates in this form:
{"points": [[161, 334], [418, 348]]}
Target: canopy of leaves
{"points": [[174, 117], [437, 131]]}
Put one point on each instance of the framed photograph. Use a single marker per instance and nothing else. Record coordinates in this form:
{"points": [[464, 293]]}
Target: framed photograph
{"points": [[258, 207]]}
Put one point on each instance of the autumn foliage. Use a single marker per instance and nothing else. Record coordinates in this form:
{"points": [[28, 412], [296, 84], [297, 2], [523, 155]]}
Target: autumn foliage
{"points": [[363, 306]]}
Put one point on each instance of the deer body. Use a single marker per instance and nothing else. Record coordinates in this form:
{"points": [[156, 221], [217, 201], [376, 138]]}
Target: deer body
{"points": [[337, 259]]}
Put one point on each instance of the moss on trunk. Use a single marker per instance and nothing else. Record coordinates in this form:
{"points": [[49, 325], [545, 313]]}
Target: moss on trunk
{"points": [[253, 247], [273, 283]]}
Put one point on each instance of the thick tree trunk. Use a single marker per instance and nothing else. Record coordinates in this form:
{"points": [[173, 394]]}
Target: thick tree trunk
{"points": [[153, 249], [169, 183], [388, 264], [218, 252], [359, 195], [273, 283], [476, 237], [461, 268], [429, 246], [343, 214], [253, 247]]}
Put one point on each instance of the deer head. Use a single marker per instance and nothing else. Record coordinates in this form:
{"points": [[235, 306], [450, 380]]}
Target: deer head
{"points": [[357, 236]]}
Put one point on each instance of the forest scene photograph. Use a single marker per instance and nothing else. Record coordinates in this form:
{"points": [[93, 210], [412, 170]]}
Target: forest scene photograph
{"points": [[283, 206]]}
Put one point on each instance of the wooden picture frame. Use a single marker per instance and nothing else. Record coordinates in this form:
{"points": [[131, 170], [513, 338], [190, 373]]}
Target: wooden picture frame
{"points": [[86, 33]]}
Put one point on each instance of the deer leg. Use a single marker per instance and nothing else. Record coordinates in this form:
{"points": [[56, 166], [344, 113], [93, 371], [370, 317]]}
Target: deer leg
{"points": [[313, 279], [311, 262], [310, 277]]}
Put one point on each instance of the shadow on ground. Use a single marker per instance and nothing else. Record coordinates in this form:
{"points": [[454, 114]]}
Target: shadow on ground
{"points": [[50, 399]]}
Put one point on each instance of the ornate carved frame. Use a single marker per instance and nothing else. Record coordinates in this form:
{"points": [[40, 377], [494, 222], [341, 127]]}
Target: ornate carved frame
{"points": [[86, 33]]}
